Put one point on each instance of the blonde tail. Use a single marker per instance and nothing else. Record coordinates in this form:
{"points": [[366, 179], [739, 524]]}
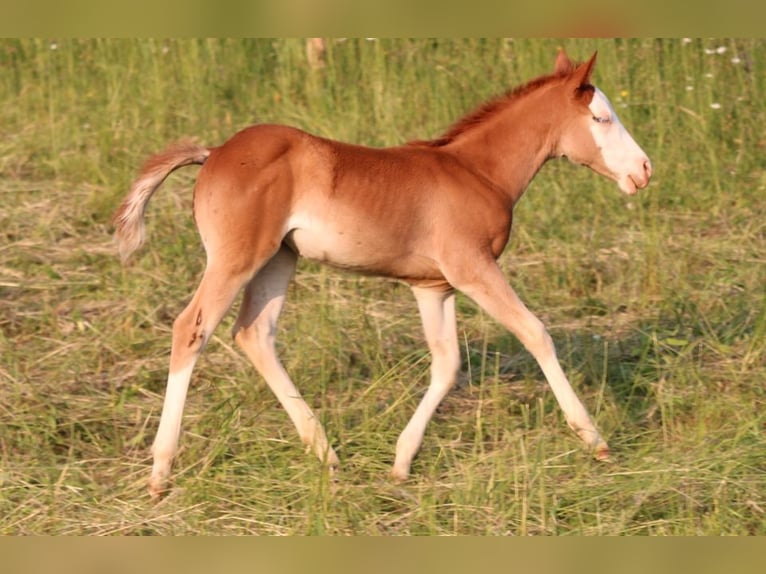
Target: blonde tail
{"points": [[128, 220]]}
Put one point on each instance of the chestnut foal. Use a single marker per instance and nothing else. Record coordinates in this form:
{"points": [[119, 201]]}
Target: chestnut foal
{"points": [[434, 214]]}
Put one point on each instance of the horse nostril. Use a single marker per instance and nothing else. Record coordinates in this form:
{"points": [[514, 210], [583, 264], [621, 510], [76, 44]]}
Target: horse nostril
{"points": [[648, 168]]}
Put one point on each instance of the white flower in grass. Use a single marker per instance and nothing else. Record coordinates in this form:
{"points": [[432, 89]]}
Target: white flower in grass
{"points": [[715, 106], [735, 60]]}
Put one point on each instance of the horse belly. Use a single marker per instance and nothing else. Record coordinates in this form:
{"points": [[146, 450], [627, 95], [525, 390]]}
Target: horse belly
{"points": [[363, 251]]}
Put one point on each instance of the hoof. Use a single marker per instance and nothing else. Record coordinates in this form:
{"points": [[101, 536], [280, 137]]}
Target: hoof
{"points": [[157, 489], [399, 475], [601, 453]]}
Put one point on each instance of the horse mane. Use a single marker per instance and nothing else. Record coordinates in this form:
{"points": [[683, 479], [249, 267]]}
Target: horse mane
{"points": [[486, 110]]}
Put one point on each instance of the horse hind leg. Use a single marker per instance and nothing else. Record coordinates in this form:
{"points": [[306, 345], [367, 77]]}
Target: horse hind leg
{"points": [[255, 332], [191, 331]]}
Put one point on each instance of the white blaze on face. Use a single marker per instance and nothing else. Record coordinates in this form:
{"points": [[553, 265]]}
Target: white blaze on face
{"points": [[626, 161]]}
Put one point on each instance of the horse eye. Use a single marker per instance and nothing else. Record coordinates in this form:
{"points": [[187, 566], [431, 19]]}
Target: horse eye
{"points": [[600, 120]]}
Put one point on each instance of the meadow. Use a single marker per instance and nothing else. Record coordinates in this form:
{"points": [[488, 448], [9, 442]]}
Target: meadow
{"points": [[656, 302]]}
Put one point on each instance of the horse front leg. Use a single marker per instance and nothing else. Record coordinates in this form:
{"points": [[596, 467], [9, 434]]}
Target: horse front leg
{"points": [[486, 284], [437, 312]]}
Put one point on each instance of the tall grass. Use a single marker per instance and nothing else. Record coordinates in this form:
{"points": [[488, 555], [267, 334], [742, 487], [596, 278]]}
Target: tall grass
{"points": [[656, 302]]}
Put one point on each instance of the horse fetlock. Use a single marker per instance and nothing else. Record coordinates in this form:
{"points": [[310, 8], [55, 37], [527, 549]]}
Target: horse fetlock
{"points": [[593, 440], [158, 485], [588, 434], [317, 443], [400, 471], [406, 448], [326, 454]]}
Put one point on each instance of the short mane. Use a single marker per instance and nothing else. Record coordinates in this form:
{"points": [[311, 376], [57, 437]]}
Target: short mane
{"points": [[486, 111]]}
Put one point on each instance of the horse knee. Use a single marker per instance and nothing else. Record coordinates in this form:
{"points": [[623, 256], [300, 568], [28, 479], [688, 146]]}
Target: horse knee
{"points": [[445, 363]]}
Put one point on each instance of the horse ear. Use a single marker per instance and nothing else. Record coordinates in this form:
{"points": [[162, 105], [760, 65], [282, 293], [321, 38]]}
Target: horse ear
{"points": [[564, 65], [582, 74]]}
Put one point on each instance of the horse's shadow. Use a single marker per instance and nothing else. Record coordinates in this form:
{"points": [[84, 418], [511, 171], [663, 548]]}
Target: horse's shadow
{"points": [[617, 372]]}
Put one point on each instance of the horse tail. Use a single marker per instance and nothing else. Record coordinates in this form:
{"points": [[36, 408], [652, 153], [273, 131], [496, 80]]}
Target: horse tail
{"points": [[130, 232]]}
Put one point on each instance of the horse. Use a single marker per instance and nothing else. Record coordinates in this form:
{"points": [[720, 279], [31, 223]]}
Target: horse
{"points": [[434, 214]]}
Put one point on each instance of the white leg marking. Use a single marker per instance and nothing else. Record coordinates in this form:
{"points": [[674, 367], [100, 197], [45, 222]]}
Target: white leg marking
{"points": [[495, 296], [166, 441], [255, 332], [437, 311], [191, 330]]}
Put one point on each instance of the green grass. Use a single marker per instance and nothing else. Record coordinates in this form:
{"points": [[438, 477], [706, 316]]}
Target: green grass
{"points": [[657, 303]]}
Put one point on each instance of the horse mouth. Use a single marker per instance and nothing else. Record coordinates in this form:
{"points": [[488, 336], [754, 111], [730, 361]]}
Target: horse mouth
{"points": [[628, 185], [639, 179], [631, 184]]}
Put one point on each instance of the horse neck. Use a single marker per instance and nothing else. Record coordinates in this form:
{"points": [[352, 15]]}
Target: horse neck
{"points": [[511, 147]]}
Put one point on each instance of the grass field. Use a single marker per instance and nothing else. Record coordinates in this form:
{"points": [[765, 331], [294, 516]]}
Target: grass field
{"points": [[657, 303]]}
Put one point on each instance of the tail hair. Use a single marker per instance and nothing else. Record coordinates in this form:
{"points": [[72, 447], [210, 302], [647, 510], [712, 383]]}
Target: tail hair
{"points": [[130, 232]]}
